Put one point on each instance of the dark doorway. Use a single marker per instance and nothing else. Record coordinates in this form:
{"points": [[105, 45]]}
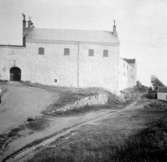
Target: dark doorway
{"points": [[15, 74]]}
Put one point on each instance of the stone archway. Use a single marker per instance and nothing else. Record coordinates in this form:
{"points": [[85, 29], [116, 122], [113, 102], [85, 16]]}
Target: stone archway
{"points": [[15, 74]]}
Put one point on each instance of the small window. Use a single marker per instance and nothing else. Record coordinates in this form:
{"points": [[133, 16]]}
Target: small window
{"points": [[41, 51], [105, 53], [66, 51], [91, 52]]}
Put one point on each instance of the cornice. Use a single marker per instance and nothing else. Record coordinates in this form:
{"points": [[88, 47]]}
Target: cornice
{"points": [[73, 42]]}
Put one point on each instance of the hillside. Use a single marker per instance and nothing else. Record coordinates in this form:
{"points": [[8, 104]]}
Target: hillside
{"points": [[21, 101], [136, 133], [90, 129], [31, 112]]}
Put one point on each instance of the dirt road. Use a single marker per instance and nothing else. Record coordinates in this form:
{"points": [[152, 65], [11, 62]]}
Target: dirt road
{"points": [[32, 101], [24, 148], [21, 102]]}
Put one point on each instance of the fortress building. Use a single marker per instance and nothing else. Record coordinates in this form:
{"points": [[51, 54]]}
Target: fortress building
{"points": [[70, 58]]}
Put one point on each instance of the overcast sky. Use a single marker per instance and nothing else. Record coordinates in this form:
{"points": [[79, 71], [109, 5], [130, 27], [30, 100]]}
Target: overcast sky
{"points": [[142, 25]]}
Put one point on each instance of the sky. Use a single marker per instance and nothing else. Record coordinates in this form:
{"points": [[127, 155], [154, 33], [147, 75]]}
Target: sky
{"points": [[141, 25]]}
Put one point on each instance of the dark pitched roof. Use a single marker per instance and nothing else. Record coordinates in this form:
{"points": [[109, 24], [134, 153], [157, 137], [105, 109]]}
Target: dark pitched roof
{"points": [[162, 89], [130, 61]]}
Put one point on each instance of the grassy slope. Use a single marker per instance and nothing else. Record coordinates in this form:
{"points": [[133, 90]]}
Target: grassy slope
{"points": [[137, 134], [71, 95], [31, 124]]}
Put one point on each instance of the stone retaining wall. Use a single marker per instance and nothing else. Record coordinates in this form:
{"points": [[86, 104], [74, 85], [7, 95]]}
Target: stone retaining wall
{"points": [[98, 99]]}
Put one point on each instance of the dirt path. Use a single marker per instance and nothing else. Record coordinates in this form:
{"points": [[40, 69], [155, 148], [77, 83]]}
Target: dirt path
{"points": [[68, 124], [21, 102], [25, 146]]}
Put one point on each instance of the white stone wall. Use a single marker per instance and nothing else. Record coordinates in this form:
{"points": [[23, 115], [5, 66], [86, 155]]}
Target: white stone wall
{"points": [[162, 96], [109, 72], [14, 56], [98, 99], [54, 65], [127, 75], [96, 71], [99, 71], [123, 75], [131, 75]]}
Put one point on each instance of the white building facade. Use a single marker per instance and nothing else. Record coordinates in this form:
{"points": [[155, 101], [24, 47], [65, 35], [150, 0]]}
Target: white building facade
{"points": [[70, 58], [127, 73], [162, 93]]}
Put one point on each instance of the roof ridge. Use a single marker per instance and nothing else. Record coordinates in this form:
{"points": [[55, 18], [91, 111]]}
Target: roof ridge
{"points": [[63, 29], [72, 35]]}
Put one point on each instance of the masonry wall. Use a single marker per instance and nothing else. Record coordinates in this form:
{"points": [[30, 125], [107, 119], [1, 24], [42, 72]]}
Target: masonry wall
{"points": [[127, 74], [53, 68], [131, 75], [45, 69], [13, 56], [54, 65], [99, 71], [123, 74]]}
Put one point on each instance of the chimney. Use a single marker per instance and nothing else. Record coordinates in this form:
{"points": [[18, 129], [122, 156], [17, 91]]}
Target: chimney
{"points": [[24, 30], [114, 29], [24, 21], [27, 27]]}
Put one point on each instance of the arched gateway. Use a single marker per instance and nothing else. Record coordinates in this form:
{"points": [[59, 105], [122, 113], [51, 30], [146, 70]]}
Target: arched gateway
{"points": [[15, 74]]}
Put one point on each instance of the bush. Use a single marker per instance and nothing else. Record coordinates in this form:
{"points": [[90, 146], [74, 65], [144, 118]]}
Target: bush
{"points": [[37, 123]]}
